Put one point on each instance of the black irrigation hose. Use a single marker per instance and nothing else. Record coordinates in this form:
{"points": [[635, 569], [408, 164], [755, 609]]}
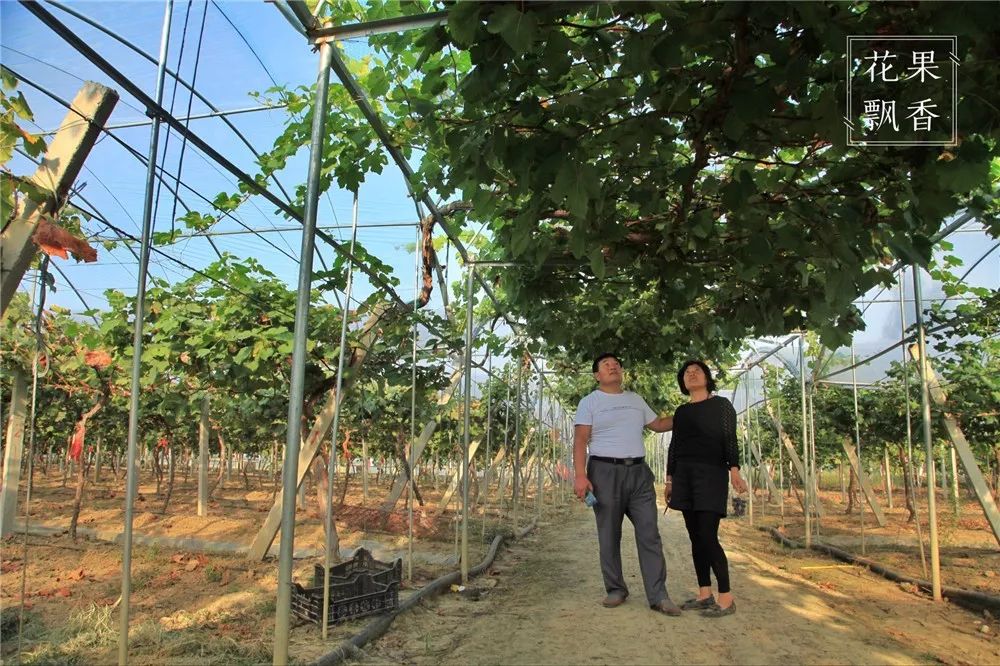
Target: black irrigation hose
{"points": [[381, 624], [972, 600]]}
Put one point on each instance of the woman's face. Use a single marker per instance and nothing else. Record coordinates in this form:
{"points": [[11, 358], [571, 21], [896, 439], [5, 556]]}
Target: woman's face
{"points": [[694, 377]]}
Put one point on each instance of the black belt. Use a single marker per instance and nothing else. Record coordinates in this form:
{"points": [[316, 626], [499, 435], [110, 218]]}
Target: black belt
{"points": [[620, 461]]}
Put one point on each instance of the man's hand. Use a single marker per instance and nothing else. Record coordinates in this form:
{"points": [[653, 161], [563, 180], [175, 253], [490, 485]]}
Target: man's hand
{"points": [[667, 491], [739, 485], [581, 485]]}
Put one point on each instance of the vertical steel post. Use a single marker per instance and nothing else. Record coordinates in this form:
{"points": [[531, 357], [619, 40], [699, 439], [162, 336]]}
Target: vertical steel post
{"points": [[857, 443], [888, 476], [140, 308], [806, 481], [748, 445], [489, 438], [925, 403], [814, 478], [290, 469], [909, 422], [335, 427], [413, 410], [539, 449], [204, 426], [954, 482], [781, 461], [467, 426], [516, 478], [759, 449], [506, 437]]}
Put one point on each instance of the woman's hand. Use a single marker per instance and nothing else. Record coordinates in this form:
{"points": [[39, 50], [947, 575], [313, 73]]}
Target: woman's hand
{"points": [[739, 485]]}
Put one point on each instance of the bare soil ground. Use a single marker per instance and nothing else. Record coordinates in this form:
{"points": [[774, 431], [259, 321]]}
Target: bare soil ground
{"points": [[970, 556], [538, 604], [187, 607]]}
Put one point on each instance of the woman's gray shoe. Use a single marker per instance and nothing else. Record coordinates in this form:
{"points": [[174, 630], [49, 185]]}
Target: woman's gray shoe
{"points": [[699, 604], [718, 611]]}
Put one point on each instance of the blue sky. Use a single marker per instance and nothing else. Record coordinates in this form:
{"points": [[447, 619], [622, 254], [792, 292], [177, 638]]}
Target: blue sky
{"points": [[228, 71]]}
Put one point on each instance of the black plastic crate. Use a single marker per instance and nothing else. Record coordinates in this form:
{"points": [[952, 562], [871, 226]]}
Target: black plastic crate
{"points": [[358, 587], [361, 562], [358, 597]]}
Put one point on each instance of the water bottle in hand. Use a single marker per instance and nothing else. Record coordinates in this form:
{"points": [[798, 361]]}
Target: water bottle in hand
{"points": [[589, 499]]}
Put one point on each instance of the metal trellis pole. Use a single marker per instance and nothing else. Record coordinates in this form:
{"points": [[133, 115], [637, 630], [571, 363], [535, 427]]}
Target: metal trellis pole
{"points": [[290, 468], [925, 403], [335, 427], [747, 445], [806, 481], [516, 478], [506, 433], [467, 427], [140, 302], [909, 424], [857, 443], [539, 448], [813, 476], [489, 438], [413, 412], [781, 461]]}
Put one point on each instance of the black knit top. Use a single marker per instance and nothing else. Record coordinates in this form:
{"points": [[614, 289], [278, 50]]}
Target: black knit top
{"points": [[704, 432]]}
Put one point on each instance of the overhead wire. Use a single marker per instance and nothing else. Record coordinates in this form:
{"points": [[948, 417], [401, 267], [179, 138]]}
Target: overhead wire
{"points": [[110, 33], [153, 107], [187, 115], [289, 254], [160, 171]]}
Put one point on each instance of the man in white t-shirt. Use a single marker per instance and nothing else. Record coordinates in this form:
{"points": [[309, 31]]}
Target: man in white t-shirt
{"points": [[611, 421]]}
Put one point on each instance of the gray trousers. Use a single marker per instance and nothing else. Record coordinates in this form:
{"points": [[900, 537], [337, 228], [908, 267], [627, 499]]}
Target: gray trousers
{"points": [[628, 491]]}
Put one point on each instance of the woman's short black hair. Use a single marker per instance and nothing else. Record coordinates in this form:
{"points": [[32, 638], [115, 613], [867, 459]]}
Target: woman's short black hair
{"points": [[710, 383], [597, 361]]}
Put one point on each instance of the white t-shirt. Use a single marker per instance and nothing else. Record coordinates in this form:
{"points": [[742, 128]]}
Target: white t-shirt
{"points": [[616, 421]]}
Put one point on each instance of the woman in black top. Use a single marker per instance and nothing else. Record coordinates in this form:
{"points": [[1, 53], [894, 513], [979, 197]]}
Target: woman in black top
{"points": [[702, 449]]}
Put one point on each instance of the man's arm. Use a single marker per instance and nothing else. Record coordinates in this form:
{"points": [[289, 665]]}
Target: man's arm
{"points": [[661, 424], [581, 437]]}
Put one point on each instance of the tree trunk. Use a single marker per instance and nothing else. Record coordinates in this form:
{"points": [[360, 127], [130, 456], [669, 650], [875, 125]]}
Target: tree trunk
{"points": [[170, 478], [81, 482], [996, 477], [243, 471], [97, 460], [157, 468], [888, 476], [347, 479], [222, 465], [79, 433], [318, 469], [851, 490], [907, 486], [64, 466]]}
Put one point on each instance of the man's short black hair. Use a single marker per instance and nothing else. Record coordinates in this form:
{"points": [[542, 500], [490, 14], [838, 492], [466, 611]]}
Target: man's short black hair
{"points": [[597, 361], [709, 383]]}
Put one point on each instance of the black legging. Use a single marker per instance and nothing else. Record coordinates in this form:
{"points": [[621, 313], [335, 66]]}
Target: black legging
{"points": [[703, 528]]}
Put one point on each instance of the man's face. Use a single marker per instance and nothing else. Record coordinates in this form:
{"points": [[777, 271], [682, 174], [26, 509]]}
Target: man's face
{"points": [[609, 371]]}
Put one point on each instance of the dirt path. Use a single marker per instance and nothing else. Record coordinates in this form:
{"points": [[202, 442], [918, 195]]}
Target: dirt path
{"points": [[540, 605]]}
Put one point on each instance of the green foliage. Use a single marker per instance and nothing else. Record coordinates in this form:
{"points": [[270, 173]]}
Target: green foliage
{"points": [[672, 178], [14, 111]]}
